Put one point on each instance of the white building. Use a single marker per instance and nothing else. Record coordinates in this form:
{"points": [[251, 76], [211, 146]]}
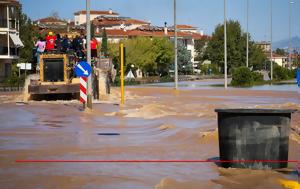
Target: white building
{"points": [[281, 60], [80, 16], [187, 28], [190, 43], [9, 36], [264, 45]]}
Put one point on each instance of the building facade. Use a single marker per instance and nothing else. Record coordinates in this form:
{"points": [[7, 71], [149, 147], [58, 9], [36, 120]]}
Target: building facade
{"points": [[184, 38], [9, 36], [80, 16], [280, 60], [264, 45]]}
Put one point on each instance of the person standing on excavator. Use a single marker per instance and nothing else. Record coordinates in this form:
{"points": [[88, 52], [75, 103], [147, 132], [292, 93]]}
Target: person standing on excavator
{"points": [[50, 41]]}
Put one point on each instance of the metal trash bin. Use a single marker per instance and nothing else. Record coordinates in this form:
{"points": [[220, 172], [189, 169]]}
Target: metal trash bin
{"points": [[249, 135]]}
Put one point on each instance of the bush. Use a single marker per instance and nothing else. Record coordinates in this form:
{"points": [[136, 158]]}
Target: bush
{"points": [[257, 77], [280, 73], [205, 69], [242, 77]]}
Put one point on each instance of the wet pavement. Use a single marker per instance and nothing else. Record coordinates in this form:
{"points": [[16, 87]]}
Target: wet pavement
{"points": [[155, 124]]}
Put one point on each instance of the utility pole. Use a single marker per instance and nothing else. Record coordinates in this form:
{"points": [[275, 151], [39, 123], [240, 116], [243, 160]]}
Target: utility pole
{"points": [[88, 50], [225, 45], [290, 34], [271, 43], [247, 53], [175, 48]]}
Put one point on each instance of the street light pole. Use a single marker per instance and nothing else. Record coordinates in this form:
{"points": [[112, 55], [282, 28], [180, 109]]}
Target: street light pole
{"points": [[271, 43], [247, 53], [225, 46], [290, 33], [175, 47], [88, 49]]}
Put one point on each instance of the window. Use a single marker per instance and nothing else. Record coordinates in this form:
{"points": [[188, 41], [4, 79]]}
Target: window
{"points": [[3, 17], [7, 69]]}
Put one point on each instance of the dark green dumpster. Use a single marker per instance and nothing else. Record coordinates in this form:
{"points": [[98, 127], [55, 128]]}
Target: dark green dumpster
{"points": [[254, 138]]}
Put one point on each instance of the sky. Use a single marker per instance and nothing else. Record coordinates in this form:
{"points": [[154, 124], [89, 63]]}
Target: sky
{"points": [[204, 14]]}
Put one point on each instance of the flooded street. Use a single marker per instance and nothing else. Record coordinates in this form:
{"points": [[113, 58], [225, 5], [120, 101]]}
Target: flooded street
{"points": [[157, 123]]}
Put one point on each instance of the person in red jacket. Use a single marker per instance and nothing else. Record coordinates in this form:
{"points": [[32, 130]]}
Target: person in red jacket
{"points": [[50, 41], [94, 45]]}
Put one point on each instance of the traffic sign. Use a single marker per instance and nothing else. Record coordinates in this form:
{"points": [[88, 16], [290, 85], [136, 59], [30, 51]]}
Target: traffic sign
{"points": [[24, 66], [83, 69]]}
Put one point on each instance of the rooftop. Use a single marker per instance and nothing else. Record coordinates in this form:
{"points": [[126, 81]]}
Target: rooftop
{"points": [[275, 55], [50, 19], [181, 26], [103, 21], [105, 12], [152, 33]]}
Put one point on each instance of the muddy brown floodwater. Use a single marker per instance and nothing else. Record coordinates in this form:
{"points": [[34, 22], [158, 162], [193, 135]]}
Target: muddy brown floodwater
{"points": [[156, 123]]}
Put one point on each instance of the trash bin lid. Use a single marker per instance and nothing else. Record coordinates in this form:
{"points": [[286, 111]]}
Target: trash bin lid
{"points": [[255, 111]]}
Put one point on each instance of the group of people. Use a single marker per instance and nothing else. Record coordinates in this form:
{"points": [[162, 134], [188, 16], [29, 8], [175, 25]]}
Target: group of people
{"points": [[56, 43]]}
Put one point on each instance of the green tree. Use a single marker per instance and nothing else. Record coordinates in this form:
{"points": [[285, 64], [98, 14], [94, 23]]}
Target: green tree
{"points": [[164, 51], [104, 47], [184, 60], [151, 56], [257, 57], [200, 48], [236, 48], [140, 53], [27, 35], [113, 52], [280, 52]]}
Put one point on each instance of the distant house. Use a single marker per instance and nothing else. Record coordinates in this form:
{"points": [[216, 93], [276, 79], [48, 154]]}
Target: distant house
{"points": [[295, 57], [264, 45], [51, 22], [80, 16], [281, 60], [119, 23], [9, 36], [187, 28]]}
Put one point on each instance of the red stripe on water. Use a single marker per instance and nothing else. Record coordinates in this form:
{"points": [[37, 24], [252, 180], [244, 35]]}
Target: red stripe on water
{"points": [[156, 161]]}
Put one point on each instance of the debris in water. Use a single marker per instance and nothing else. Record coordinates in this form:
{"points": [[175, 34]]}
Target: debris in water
{"points": [[109, 134], [21, 103]]}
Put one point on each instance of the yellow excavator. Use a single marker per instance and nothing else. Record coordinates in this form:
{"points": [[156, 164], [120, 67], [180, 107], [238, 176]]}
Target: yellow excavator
{"points": [[56, 77]]}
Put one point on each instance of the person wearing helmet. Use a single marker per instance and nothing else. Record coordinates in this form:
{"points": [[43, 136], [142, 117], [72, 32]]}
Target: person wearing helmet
{"points": [[50, 41]]}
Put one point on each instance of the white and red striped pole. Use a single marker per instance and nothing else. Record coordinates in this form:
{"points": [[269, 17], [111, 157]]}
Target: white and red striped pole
{"points": [[83, 90]]}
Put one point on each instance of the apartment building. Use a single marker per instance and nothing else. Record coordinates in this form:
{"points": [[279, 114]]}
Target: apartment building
{"points": [[9, 36]]}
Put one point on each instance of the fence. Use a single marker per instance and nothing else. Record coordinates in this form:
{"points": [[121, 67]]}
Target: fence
{"points": [[7, 88]]}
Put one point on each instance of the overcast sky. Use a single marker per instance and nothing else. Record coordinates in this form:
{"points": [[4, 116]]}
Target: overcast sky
{"points": [[205, 14]]}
